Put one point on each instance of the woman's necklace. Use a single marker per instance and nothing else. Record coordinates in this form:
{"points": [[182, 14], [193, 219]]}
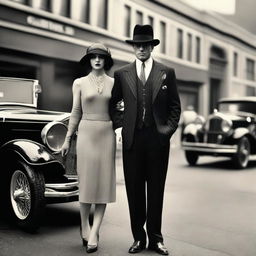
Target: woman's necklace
{"points": [[98, 81]]}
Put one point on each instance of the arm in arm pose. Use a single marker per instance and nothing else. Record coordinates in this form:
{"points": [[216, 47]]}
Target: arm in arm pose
{"points": [[116, 96]]}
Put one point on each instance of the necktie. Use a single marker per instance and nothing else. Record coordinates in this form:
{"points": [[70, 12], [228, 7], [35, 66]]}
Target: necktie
{"points": [[142, 73]]}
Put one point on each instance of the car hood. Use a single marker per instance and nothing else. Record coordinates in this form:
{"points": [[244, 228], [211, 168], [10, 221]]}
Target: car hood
{"points": [[238, 116], [32, 114]]}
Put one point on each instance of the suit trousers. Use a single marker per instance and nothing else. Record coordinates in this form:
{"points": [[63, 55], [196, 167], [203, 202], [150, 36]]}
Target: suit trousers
{"points": [[145, 169]]}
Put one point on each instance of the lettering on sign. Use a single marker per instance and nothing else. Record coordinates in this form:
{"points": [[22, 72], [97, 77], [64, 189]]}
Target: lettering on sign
{"points": [[50, 25]]}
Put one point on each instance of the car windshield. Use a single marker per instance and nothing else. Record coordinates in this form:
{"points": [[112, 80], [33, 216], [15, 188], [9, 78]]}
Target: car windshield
{"points": [[17, 91], [234, 107]]}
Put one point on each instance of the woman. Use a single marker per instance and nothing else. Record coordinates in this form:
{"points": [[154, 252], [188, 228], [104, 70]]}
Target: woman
{"points": [[95, 141]]}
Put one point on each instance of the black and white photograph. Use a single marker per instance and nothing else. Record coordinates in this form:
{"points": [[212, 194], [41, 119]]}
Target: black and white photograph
{"points": [[127, 127]]}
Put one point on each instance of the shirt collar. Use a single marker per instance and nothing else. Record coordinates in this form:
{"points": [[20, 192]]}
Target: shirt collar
{"points": [[148, 63]]}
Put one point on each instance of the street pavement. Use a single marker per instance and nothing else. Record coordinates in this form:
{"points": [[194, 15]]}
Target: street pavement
{"points": [[209, 210]]}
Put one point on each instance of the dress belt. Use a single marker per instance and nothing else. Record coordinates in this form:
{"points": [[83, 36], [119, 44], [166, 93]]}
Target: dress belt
{"points": [[96, 117]]}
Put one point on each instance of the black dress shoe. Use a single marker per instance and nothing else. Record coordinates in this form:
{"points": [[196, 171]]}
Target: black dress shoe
{"points": [[137, 246], [159, 248]]}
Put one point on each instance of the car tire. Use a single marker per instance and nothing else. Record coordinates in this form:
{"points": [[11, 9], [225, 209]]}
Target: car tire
{"points": [[26, 196], [191, 157], [241, 158]]}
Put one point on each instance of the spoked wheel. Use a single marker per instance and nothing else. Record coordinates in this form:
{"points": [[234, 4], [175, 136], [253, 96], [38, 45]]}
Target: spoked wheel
{"points": [[20, 195], [26, 196], [241, 158]]}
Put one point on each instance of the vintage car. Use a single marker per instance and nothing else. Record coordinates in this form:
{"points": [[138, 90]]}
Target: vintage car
{"points": [[229, 131], [33, 172]]}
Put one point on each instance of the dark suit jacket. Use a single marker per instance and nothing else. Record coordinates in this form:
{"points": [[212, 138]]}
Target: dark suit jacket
{"points": [[165, 101]]}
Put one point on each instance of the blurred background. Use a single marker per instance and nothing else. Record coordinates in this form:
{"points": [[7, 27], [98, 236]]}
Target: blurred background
{"points": [[211, 44]]}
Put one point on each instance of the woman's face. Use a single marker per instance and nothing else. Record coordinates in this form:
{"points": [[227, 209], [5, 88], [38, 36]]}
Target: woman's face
{"points": [[97, 62]]}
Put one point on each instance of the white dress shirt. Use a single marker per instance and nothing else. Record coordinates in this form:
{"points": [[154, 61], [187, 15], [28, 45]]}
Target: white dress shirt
{"points": [[148, 67]]}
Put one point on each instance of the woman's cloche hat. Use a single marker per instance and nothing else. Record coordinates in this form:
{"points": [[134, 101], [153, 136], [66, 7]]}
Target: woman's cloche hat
{"points": [[101, 49], [143, 34]]}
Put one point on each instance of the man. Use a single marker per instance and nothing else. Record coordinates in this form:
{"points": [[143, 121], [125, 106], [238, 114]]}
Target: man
{"points": [[151, 115]]}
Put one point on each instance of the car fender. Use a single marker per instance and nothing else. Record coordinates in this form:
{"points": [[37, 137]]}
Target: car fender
{"points": [[240, 132], [190, 129], [33, 153]]}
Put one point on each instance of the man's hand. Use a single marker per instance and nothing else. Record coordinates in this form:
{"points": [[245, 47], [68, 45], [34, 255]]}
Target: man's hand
{"points": [[118, 133]]}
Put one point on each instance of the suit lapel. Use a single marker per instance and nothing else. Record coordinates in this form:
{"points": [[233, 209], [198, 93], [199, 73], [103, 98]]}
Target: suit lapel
{"points": [[158, 75], [131, 78]]}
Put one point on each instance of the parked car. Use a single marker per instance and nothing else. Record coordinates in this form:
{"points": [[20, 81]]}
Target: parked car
{"points": [[229, 131], [33, 172]]}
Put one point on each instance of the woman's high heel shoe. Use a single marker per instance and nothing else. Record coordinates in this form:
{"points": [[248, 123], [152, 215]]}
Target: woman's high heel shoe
{"points": [[84, 241], [92, 248]]}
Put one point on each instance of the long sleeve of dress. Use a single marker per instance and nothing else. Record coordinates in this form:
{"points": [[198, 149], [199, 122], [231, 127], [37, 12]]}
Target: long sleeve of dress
{"points": [[76, 112]]}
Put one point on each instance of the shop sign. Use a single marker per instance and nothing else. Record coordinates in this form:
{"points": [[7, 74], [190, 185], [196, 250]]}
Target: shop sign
{"points": [[50, 25]]}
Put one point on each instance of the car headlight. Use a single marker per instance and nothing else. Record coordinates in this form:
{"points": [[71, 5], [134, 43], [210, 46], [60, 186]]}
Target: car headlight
{"points": [[53, 135], [199, 121], [226, 125]]}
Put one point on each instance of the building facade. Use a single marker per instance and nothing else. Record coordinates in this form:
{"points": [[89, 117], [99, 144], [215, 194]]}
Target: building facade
{"points": [[45, 39]]}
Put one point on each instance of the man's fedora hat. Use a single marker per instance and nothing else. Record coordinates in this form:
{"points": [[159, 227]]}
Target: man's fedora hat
{"points": [[143, 34], [100, 49]]}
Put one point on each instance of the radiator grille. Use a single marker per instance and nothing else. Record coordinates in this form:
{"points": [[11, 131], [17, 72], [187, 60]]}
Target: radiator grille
{"points": [[212, 138], [215, 125]]}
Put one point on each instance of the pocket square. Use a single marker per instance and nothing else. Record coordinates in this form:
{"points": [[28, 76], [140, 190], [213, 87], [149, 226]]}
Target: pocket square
{"points": [[163, 76], [164, 87]]}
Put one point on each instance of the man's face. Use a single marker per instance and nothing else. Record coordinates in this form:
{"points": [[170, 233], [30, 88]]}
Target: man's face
{"points": [[143, 51]]}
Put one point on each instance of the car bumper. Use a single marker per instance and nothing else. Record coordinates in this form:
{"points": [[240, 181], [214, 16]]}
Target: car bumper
{"points": [[209, 148], [62, 190]]}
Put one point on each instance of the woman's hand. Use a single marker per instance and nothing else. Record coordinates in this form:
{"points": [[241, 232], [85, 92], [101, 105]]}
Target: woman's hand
{"points": [[65, 148]]}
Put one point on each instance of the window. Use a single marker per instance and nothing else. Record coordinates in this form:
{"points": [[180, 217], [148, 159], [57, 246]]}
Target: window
{"points": [[61, 7], [41, 4], [81, 10], [189, 47], [235, 58], [127, 20], [139, 17], [151, 21], [103, 14], [180, 44], [198, 49], [250, 91], [250, 69], [163, 37], [21, 1]]}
